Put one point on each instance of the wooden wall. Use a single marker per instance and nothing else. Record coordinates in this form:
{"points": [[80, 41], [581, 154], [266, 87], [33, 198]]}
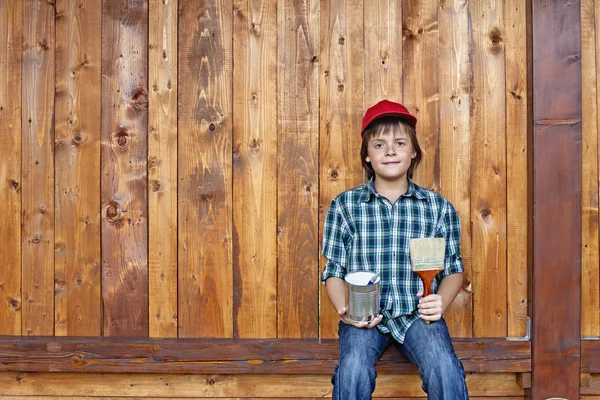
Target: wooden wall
{"points": [[165, 166]]}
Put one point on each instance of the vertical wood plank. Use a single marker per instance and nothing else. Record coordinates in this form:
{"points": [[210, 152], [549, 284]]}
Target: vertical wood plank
{"points": [[421, 84], [455, 145], [124, 164], [557, 188], [38, 168], [383, 51], [255, 169], [517, 181], [162, 168], [11, 25], [590, 282], [204, 164], [341, 105], [298, 163], [77, 169], [488, 170]]}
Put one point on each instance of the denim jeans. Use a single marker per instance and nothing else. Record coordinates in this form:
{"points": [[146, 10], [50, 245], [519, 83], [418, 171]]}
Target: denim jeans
{"points": [[427, 346]]}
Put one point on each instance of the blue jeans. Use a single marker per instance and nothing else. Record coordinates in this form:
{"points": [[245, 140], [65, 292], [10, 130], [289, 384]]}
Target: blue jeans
{"points": [[427, 346]]}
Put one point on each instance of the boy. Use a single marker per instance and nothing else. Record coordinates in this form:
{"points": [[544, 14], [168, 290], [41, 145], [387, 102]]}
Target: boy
{"points": [[368, 229]]}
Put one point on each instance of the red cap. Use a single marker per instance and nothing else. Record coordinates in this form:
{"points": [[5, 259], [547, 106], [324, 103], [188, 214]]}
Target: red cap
{"points": [[385, 108]]}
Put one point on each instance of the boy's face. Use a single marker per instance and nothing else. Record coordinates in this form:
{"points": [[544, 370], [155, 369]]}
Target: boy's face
{"points": [[390, 155]]}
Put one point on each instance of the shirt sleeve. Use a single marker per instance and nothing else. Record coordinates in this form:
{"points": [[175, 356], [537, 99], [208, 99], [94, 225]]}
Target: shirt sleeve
{"points": [[335, 239], [450, 230]]}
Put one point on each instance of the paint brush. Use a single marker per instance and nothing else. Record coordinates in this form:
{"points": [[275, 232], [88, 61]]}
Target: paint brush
{"points": [[427, 256]]}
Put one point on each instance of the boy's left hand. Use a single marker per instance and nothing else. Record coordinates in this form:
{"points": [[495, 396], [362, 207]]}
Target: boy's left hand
{"points": [[430, 307]]}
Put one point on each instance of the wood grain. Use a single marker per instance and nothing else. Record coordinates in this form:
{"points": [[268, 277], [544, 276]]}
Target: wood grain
{"points": [[204, 161], [77, 169], [232, 356], [124, 168], [255, 169], [298, 163], [517, 176], [557, 225], [455, 144], [420, 31], [37, 236], [11, 31], [218, 386], [162, 168], [341, 111], [488, 170], [383, 51]]}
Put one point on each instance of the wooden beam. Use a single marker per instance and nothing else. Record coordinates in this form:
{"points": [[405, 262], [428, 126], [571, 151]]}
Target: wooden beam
{"points": [[557, 199], [230, 356]]}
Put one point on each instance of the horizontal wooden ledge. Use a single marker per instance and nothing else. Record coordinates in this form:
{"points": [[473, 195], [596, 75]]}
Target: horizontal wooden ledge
{"points": [[230, 356], [590, 356]]}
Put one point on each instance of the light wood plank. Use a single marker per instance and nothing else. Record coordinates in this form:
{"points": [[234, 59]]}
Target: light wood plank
{"points": [[455, 142], [488, 171], [77, 169], [590, 274], [162, 168], [517, 176], [217, 386], [11, 25], [255, 168], [341, 108], [124, 168], [38, 168], [205, 271], [298, 161], [383, 51], [421, 83]]}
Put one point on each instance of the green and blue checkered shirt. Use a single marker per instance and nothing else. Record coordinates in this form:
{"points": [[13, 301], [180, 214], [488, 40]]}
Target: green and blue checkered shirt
{"points": [[363, 231]]}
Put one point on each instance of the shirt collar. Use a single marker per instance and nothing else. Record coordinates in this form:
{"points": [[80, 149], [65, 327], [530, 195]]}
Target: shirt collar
{"points": [[368, 191]]}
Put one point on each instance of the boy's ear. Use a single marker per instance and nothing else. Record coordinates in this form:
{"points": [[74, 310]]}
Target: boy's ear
{"points": [[369, 160], [413, 155]]}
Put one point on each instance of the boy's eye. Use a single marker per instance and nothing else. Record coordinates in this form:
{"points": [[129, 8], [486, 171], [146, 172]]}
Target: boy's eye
{"points": [[378, 145], [400, 143]]}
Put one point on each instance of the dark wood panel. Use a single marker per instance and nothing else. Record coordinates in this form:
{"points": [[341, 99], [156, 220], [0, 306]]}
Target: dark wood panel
{"points": [[226, 356], [557, 199]]}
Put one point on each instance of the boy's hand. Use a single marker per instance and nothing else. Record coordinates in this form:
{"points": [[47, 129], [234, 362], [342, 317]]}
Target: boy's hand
{"points": [[343, 313], [430, 307]]}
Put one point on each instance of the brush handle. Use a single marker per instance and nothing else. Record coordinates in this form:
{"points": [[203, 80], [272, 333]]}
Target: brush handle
{"points": [[427, 278]]}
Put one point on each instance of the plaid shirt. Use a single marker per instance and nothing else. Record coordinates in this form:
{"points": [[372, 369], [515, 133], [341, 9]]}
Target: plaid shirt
{"points": [[363, 231]]}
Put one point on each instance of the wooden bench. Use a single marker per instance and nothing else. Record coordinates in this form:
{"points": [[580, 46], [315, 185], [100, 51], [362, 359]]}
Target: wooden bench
{"points": [[230, 356]]}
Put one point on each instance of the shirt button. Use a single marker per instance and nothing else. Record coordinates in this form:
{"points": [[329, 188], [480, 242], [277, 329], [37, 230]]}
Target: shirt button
{"points": [[389, 206]]}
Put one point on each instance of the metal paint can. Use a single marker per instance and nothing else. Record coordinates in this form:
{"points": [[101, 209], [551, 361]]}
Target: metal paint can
{"points": [[363, 299]]}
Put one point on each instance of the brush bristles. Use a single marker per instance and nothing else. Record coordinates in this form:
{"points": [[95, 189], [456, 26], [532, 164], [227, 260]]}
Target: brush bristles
{"points": [[427, 253]]}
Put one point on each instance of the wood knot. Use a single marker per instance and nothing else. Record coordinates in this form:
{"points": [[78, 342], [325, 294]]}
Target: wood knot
{"points": [[212, 127], [326, 72], [44, 44], [112, 212], [152, 161], [156, 186], [210, 382], [420, 31], [334, 174], [341, 87], [122, 137], [15, 184], [42, 209], [140, 99], [254, 146], [36, 238], [77, 139], [342, 40], [15, 304], [256, 29], [314, 58], [79, 281], [485, 214]]}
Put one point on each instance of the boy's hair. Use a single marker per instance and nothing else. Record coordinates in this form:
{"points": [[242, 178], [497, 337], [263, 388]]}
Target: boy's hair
{"points": [[381, 126]]}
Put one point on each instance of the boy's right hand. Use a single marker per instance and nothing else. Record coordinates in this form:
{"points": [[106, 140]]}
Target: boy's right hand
{"points": [[343, 313]]}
